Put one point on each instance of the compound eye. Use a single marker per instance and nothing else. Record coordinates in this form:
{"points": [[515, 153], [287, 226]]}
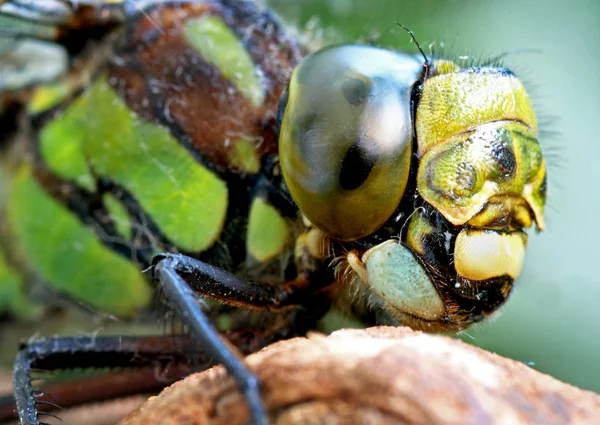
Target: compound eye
{"points": [[345, 144]]}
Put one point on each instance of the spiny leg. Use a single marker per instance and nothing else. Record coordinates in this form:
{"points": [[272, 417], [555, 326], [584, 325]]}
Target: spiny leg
{"points": [[86, 352], [205, 280], [182, 277]]}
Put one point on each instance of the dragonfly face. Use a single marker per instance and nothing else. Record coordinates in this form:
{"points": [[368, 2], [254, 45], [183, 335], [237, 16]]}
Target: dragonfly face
{"points": [[444, 169], [409, 181]]}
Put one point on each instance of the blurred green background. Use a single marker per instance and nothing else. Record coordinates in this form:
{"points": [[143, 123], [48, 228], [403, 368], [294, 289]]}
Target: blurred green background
{"points": [[551, 322]]}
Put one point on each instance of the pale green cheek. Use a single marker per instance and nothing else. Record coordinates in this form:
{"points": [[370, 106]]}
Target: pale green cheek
{"points": [[186, 201], [217, 44], [68, 255], [268, 232], [396, 276]]}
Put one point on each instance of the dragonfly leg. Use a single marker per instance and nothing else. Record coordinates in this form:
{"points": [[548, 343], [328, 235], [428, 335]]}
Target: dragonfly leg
{"points": [[215, 283], [182, 277], [86, 352]]}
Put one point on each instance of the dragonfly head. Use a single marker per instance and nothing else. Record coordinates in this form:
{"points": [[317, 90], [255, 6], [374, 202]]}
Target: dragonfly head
{"points": [[426, 179]]}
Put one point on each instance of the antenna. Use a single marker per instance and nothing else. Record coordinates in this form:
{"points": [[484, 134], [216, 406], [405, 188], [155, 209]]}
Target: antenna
{"points": [[414, 39], [412, 36]]}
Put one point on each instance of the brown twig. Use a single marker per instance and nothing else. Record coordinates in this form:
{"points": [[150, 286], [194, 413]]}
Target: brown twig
{"points": [[378, 376]]}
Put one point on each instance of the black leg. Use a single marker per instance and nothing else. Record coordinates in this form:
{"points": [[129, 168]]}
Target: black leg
{"points": [[182, 277], [218, 284], [86, 352]]}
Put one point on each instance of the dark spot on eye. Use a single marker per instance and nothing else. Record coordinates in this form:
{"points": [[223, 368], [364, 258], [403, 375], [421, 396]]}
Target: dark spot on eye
{"points": [[355, 91], [356, 166]]}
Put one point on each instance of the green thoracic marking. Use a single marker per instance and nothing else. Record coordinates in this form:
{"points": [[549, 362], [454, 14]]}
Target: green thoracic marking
{"points": [[218, 45], [62, 149], [244, 156], [47, 96], [119, 216], [12, 293], [186, 201], [68, 255], [268, 232]]}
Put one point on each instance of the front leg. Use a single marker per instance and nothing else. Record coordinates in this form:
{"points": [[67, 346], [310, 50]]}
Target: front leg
{"points": [[182, 278]]}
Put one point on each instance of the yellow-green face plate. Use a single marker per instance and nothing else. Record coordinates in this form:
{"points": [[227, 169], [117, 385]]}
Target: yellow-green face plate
{"points": [[477, 144]]}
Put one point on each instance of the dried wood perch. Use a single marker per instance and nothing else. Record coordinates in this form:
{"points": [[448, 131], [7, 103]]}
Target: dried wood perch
{"points": [[378, 376]]}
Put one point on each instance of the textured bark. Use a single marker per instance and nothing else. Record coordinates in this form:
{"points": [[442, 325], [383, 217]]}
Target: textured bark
{"points": [[378, 376]]}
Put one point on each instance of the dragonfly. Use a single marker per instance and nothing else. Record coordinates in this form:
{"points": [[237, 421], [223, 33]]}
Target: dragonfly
{"points": [[198, 150]]}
